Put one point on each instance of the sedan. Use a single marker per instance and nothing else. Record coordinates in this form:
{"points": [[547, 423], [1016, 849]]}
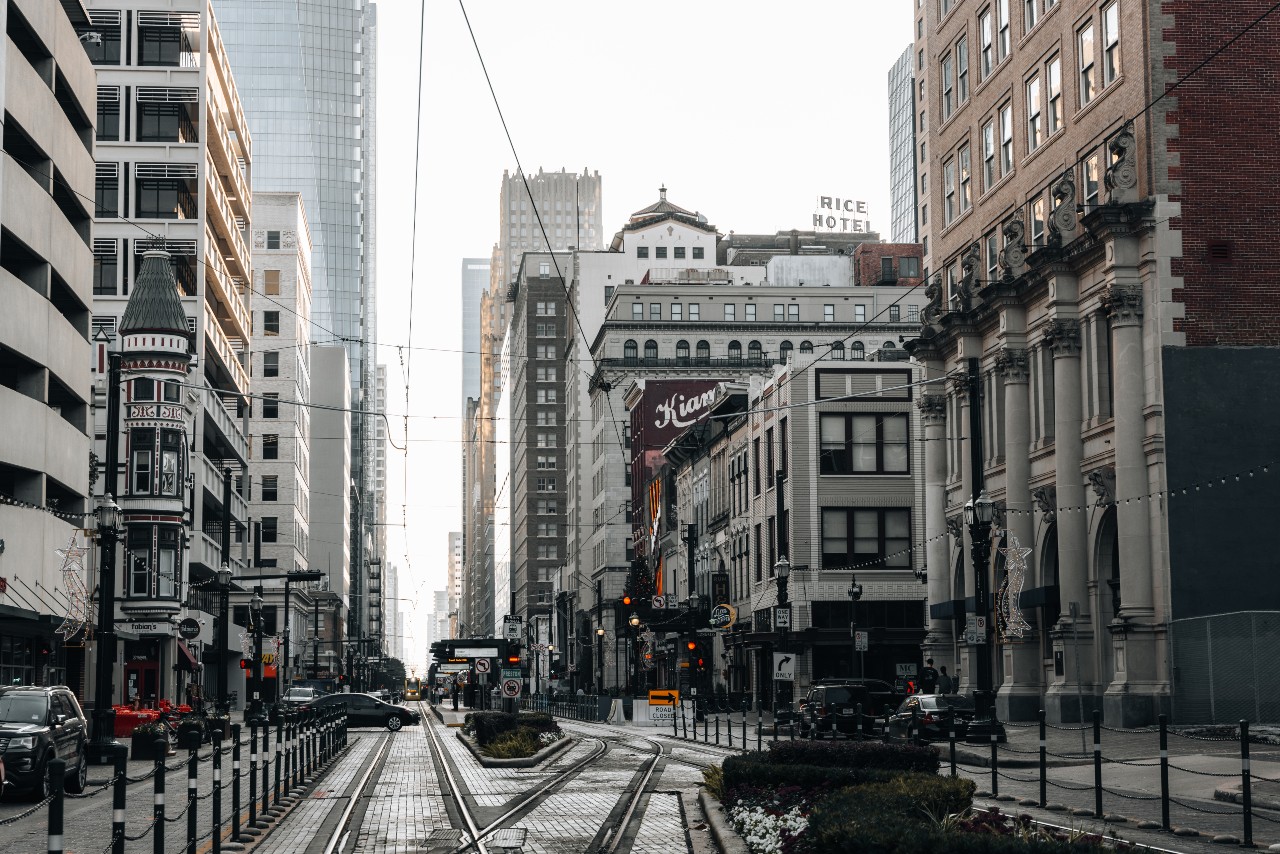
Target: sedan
{"points": [[933, 716], [364, 710]]}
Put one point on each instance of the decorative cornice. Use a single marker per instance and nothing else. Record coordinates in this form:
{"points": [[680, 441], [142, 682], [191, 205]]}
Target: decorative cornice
{"points": [[1063, 337], [933, 408], [1011, 363], [1124, 303], [1122, 175]]}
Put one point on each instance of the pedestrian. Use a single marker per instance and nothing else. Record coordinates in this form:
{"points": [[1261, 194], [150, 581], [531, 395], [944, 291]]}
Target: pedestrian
{"points": [[928, 678], [454, 693], [945, 683]]}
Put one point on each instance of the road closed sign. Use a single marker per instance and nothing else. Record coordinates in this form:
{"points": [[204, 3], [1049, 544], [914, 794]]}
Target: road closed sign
{"points": [[511, 688]]}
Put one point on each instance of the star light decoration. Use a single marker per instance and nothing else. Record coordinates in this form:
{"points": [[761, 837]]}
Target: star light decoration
{"points": [[1015, 562], [73, 580]]}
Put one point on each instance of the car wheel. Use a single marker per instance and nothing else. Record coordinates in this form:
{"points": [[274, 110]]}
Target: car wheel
{"points": [[77, 784], [394, 723], [42, 789]]}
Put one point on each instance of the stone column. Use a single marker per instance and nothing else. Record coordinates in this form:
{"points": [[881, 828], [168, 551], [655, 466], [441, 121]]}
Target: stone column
{"points": [[933, 414], [960, 391], [1074, 641], [1019, 697]]}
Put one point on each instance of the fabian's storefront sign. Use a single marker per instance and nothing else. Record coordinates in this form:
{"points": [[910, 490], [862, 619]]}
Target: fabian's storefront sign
{"points": [[837, 214]]}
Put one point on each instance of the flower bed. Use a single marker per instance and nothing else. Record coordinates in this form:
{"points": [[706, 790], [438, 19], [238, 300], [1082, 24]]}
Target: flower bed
{"points": [[503, 735]]}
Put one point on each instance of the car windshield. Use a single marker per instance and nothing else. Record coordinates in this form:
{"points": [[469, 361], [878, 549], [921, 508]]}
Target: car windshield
{"points": [[960, 704], [299, 694], [837, 695], [23, 708]]}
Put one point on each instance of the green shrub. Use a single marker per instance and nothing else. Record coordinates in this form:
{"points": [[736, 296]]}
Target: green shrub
{"points": [[488, 726], [515, 744], [855, 754], [713, 779], [753, 771]]}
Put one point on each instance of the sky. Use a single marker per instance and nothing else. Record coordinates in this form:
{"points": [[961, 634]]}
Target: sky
{"points": [[746, 111]]}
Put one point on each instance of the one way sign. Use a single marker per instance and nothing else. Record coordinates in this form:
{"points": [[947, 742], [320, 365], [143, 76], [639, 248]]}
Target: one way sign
{"points": [[784, 667]]}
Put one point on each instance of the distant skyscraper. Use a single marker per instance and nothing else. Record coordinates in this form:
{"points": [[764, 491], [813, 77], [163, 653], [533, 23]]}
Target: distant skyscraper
{"points": [[902, 150], [569, 205], [475, 278]]}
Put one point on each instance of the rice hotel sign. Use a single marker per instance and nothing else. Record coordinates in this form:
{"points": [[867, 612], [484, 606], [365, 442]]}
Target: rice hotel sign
{"points": [[834, 213]]}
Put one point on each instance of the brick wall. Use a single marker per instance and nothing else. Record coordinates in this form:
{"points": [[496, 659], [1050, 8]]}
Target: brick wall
{"points": [[868, 266]]}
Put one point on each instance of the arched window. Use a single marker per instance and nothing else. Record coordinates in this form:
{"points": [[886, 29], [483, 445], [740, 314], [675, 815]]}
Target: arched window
{"points": [[651, 349], [755, 352], [784, 350], [837, 351], [888, 345], [682, 349], [630, 350], [857, 352], [704, 350], [806, 346], [735, 351]]}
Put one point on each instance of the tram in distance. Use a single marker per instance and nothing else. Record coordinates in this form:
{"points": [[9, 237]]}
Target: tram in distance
{"points": [[412, 688]]}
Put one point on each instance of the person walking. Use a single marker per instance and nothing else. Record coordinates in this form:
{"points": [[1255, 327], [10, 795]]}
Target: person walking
{"points": [[945, 683], [929, 678]]}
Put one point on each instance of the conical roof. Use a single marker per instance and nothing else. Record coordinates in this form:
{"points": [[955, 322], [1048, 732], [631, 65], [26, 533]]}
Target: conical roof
{"points": [[154, 303], [661, 206]]}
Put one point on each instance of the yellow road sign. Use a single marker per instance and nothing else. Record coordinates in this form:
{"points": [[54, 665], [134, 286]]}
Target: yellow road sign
{"points": [[666, 697]]}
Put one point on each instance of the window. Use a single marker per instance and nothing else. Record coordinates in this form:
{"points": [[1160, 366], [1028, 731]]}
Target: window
{"points": [[750, 309], [909, 267], [546, 419], [271, 364], [108, 51], [546, 309], [1039, 221], [144, 388], [548, 552], [1006, 139], [948, 192], [704, 350], [837, 351], [608, 293], [651, 349], [142, 474], [270, 529], [637, 311], [165, 123], [1002, 29], [947, 88], [682, 349], [546, 484], [165, 198], [271, 282], [866, 536], [1035, 126], [863, 444], [695, 312], [271, 323], [630, 349], [273, 240], [1110, 43], [677, 311], [857, 352], [755, 464], [271, 446], [545, 375], [779, 311], [859, 313], [677, 251], [161, 45], [806, 346], [697, 253], [108, 127], [784, 351], [106, 270], [1029, 10], [546, 462], [545, 351], [793, 312], [107, 191], [895, 313], [548, 529], [642, 251], [735, 351], [984, 39], [1053, 91], [988, 156], [271, 406], [993, 257], [544, 270], [139, 545], [966, 184], [546, 507], [962, 70], [545, 330], [913, 314], [546, 395], [660, 252], [1092, 180], [655, 311], [730, 312], [270, 487], [755, 352], [1088, 68]]}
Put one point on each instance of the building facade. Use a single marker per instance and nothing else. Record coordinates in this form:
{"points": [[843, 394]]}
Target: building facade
{"points": [[46, 271], [329, 547], [1089, 273], [903, 207]]}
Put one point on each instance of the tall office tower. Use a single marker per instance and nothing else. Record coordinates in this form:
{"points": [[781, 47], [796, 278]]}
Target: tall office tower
{"points": [[393, 627], [44, 326], [475, 278], [174, 168], [306, 71], [455, 578], [902, 149], [569, 207]]}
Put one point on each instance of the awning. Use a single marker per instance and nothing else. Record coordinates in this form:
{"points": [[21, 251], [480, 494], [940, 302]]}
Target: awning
{"points": [[186, 661]]}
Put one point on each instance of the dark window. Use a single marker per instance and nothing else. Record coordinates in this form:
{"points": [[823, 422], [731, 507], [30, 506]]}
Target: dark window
{"points": [[165, 198], [735, 351], [161, 46], [271, 323], [144, 388], [172, 392], [895, 313], [755, 471], [271, 446], [273, 240], [270, 487], [768, 458], [784, 350], [886, 269], [857, 352], [678, 251], [682, 349], [909, 268], [704, 350], [782, 446], [271, 406], [630, 349], [270, 529], [697, 252], [106, 197], [138, 571], [106, 271], [271, 364], [651, 349], [755, 352], [142, 460], [108, 127], [863, 444], [660, 252], [107, 52], [837, 351], [759, 556], [806, 346], [171, 474], [858, 536], [642, 251], [165, 123]]}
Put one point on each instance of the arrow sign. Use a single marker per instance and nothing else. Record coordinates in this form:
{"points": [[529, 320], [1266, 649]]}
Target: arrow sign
{"points": [[784, 667], [664, 698]]}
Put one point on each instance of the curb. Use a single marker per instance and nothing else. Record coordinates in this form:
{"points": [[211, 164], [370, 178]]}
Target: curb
{"points": [[526, 762], [727, 839], [1232, 795], [969, 757]]}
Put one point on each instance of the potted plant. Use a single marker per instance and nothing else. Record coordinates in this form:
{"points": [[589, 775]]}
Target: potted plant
{"points": [[191, 732], [218, 722], [144, 739]]}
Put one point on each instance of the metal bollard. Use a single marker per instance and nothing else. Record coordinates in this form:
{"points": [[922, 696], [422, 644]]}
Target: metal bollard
{"points": [[1246, 789], [858, 722], [216, 741], [913, 728], [192, 758], [117, 800], [266, 768], [275, 798], [1097, 763], [235, 783], [995, 765], [717, 732], [792, 726], [744, 727], [884, 733], [759, 731], [157, 798], [684, 724], [1044, 764], [1164, 772], [951, 742], [253, 773], [57, 772]]}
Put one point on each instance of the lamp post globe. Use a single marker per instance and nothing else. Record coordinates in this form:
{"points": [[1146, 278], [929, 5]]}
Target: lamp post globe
{"points": [[600, 632], [634, 620], [855, 594]]}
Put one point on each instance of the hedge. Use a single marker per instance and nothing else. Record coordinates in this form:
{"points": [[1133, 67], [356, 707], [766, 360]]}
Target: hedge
{"points": [[855, 754], [489, 725], [753, 772]]}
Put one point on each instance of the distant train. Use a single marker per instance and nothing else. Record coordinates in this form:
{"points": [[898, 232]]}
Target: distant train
{"points": [[412, 688]]}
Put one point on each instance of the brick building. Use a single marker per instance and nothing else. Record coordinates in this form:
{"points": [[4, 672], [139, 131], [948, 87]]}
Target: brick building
{"points": [[1095, 240]]}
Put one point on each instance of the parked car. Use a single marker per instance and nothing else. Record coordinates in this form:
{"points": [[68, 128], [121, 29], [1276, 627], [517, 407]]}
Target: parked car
{"points": [[301, 699], [832, 706], [934, 715], [36, 725], [367, 710]]}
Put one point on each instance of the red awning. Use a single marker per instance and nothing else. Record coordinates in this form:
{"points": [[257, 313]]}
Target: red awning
{"points": [[186, 661]]}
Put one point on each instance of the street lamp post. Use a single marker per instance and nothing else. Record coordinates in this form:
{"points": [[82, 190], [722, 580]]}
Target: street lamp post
{"points": [[224, 614], [254, 711], [101, 750], [783, 571], [855, 594], [979, 512], [634, 620], [600, 660]]}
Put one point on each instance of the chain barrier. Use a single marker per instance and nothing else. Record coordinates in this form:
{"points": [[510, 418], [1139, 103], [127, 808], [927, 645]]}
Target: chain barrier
{"points": [[1068, 787], [1235, 774], [1200, 809], [151, 825], [111, 844], [20, 816], [1018, 779], [1266, 817], [1061, 728], [1131, 797], [1080, 757], [177, 817], [1006, 747], [1264, 779], [1017, 725], [143, 778], [1190, 737], [102, 787], [1138, 731]]}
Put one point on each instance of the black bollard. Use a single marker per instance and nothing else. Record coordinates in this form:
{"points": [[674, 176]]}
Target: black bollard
{"points": [[117, 799], [57, 771], [1246, 789], [858, 722], [192, 771], [275, 798], [717, 732], [235, 783], [913, 728], [253, 773], [1097, 763], [995, 765], [216, 741], [1044, 764], [1164, 772], [266, 768], [157, 800], [951, 743]]}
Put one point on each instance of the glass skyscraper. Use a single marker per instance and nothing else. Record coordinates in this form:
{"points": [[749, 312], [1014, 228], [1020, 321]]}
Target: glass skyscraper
{"points": [[902, 151]]}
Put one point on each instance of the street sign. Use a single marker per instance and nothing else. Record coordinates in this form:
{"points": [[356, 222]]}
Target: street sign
{"points": [[782, 617], [475, 652], [482, 665], [665, 697], [189, 628], [511, 688], [860, 641], [659, 602], [908, 669], [723, 616], [512, 626], [512, 673], [662, 714], [784, 667]]}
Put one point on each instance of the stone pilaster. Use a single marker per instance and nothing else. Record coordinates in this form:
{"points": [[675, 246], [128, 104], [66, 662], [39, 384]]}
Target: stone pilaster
{"points": [[933, 414]]}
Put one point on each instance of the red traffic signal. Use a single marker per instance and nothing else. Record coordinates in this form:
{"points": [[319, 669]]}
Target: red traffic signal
{"points": [[246, 664], [691, 645], [626, 600], [513, 659], [701, 663]]}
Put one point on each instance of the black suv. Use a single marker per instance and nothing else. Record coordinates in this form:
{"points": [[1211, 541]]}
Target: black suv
{"points": [[831, 706], [37, 724]]}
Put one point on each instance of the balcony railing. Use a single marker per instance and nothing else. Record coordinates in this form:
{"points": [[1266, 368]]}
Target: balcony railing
{"points": [[226, 424]]}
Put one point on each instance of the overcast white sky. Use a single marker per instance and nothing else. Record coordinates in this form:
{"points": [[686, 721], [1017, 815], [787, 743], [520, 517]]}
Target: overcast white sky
{"points": [[746, 110]]}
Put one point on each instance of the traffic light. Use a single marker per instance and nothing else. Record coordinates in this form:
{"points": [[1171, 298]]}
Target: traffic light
{"points": [[691, 645], [626, 600], [513, 655], [246, 664]]}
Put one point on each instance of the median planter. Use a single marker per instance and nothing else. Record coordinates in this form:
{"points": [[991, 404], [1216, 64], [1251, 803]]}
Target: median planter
{"points": [[143, 742], [525, 762]]}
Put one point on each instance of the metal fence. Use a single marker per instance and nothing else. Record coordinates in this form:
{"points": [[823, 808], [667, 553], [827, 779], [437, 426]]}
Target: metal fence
{"points": [[1224, 668]]}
